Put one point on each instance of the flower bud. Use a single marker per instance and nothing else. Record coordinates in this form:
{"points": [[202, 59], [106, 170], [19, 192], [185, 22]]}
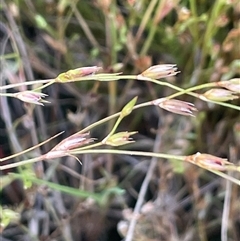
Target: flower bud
{"points": [[232, 85], [160, 71], [183, 14], [119, 139], [218, 95], [176, 106], [73, 141], [65, 146], [209, 161], [75, 74], [7, 216], [31, 97], [127, 109]]}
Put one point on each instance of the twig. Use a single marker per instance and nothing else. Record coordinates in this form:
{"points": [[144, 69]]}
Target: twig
{"points": [[227, 203], [29, 74], [143, 189], [85, 27], [226, 210]]}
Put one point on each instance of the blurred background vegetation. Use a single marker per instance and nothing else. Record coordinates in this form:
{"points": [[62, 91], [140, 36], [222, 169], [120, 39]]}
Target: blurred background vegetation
{"points": [[62, 200]]}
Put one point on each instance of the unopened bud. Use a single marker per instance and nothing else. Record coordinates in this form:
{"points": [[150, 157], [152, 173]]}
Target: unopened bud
{"points": [[209, 161], [127, 109], [183, 14], [31, 97], [8, 216], [75, 74], [73, 141], [119, 139], [218, 95], [232, 85], [176, 106], [160, 71], [65, 146]]}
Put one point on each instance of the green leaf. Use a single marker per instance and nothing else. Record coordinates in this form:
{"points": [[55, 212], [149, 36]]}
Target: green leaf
{"points": [[100, 198]]}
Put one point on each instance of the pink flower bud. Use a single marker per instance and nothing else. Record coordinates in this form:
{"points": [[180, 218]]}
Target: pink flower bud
{"points": [[64, 147], [160, 71], [176, 106], [219, 95], [73, 141], [31, 97], [209, 161], [75, 74]]}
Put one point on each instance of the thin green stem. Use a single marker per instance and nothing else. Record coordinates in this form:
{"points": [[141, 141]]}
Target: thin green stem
{"points": [[119, 152], [45, 85], [211, 28], [112, 77], [21, 163], [195, 23], [7, 94], [208, 85], [131, 153], [148, 42], [82, 22], [97, 151], [5, 87], [112, 117], [114, 127], [153, 29], [224, 104], [112, 42], [29, 149], [225, 176], [90, 146], [66, 189], [145, 19], [186, 91]]}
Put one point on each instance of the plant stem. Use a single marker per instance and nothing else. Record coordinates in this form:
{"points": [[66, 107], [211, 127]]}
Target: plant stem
{"points": [[112, 117], [119, 152], [96, 151], [5, 87], [29, 149]]}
